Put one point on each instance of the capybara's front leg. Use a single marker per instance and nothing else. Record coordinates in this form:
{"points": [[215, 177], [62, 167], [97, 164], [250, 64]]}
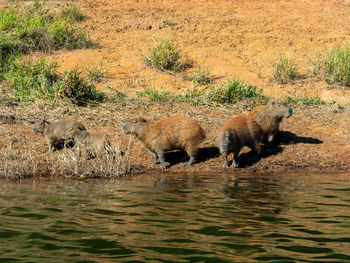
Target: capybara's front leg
{"points": [[161, 159], [191, 161], [154, 155], [225, 165]]}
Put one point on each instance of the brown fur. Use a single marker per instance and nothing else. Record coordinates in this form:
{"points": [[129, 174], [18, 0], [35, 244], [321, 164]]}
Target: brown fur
{"points": [[171, 133], [270, 116], [52, 131], [89, 143], [235, 134]]}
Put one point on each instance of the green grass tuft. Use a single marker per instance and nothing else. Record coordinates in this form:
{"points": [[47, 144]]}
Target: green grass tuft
{"points": [[72, 13], [165, 57], [232, 91], [334, 66], [304, 100], [35, 29], [285, 70], [201, 76], [154, 95], [30, 81]]}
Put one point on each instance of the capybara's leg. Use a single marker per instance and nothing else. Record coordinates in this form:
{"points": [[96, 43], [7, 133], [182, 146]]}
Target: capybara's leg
{"points": [[191, 150], [51, 146], [257, 151], [224, 155], [161, 159], [235, 158], [191, 160], [270, 138], [154, 155]]}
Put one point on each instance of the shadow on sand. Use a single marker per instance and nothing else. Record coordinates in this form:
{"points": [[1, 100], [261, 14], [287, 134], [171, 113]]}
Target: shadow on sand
{"points": [[281, 138]]}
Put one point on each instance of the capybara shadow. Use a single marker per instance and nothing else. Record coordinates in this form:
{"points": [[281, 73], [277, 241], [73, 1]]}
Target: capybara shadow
{"points": [[286, 137], [204, 154], [250, 158]]}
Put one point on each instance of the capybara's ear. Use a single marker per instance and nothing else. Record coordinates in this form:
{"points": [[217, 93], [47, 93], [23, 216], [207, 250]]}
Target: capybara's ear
{"points": [[143, 119], [79, 128]]}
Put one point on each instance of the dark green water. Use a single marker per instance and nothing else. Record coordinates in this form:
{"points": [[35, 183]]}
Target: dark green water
{"points": [[177, 219]]}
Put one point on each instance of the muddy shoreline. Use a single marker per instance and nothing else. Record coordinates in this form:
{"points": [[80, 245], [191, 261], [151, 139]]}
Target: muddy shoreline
{"points": [[314, 140]]}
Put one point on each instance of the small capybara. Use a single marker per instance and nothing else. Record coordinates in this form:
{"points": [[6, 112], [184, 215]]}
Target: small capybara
{"points": [[52, 131], [235, 134], [269, 117], [171, 133], [89, 143]]}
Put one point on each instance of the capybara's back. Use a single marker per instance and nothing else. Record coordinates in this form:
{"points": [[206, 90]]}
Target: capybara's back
{"points": [[180, 131], [270, 116], [235, 134]]}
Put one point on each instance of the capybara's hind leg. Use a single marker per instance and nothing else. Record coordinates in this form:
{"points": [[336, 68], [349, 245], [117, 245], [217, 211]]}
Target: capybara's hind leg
{"points": [[192, 152]]}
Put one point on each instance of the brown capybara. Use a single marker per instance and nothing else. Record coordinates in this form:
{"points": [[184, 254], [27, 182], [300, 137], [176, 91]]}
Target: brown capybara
{"points": [[235, 134], [52, 131], [89, 143], [171, 133], [269, 117]]}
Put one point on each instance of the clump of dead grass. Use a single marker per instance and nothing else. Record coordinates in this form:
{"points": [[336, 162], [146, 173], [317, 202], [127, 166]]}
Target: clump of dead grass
{"points": [[15, 162], [109, 165]]}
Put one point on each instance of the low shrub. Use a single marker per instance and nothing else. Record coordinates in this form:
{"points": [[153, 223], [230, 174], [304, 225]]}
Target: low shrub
{"points": [[285, 70]]}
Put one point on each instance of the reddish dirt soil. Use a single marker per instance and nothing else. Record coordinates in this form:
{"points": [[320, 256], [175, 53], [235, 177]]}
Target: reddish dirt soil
{"points": [[233, 39]]}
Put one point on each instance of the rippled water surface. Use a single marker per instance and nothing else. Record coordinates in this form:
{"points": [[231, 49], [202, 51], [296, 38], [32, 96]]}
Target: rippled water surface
{"points": [[178, 218]]}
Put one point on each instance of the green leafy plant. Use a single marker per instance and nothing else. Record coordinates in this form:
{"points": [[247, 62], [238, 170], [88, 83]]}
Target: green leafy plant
{"points": [[285, 70]]}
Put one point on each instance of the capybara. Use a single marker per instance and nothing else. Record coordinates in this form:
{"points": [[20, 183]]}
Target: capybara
{"points": [[235, 134], [52, 131], [89, 143], [170, 133], [269, 117]]}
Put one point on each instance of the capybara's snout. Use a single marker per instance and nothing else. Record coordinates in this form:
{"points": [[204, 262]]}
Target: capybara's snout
{"points": [[34, 129], [289, 112]]}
